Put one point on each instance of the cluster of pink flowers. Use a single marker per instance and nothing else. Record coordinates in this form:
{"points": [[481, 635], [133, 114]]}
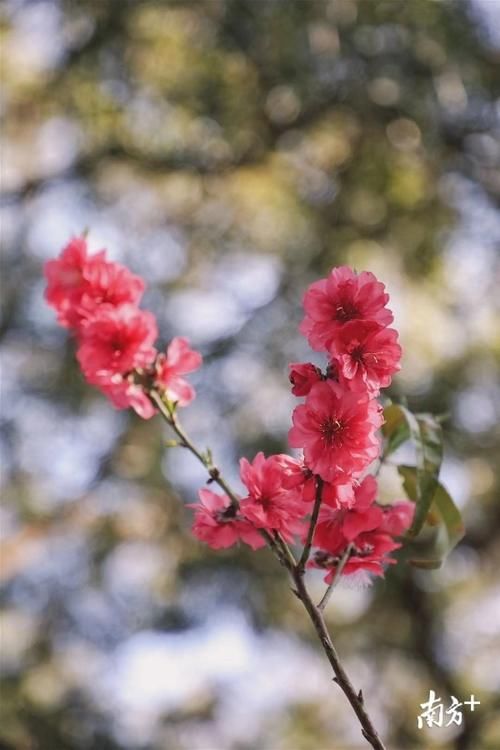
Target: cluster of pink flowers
{"points": [[346, 318], [98, 301], [336, 427], [369, 527]]}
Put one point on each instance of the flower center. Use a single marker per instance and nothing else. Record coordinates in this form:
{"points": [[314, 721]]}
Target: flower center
{"points": [[116, 345], [225, 515], [345, 311], [357, 353], [365, 549], [331, 430], [325, 559], [266, 502]]}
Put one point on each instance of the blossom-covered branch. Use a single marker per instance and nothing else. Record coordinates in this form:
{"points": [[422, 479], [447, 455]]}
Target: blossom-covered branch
{"points": [[296, 570], [324, 498]]}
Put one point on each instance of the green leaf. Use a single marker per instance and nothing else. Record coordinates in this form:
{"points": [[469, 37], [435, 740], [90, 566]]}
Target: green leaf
{"points": [[409, 475], [443, 512], [426, 433], [451, 517], [426, 564], [395, 429]]}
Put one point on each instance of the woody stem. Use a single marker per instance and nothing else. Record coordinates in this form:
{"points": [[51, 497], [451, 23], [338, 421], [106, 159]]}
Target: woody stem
{"points": [[312, 526], [170, 417], [336, 578], [355, 698], [296, 570]]}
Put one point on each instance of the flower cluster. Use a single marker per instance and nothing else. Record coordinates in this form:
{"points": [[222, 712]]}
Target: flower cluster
{"points": [[347, 318], [98, 301], [367, 527], [336, 426]]}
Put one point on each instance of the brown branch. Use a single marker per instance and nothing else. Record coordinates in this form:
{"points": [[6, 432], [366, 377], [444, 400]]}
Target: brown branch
{"points": [[312, 526], [336, 578], [205, 458], [355, 698], [295, 569]]}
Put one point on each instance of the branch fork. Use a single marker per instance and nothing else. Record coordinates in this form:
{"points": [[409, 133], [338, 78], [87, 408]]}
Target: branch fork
{"points": [[296, 569]]}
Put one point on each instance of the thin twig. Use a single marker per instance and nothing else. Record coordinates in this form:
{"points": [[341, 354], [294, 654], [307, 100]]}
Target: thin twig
{"points": [[287, 552], [336, 577], [213, 470], [312, 525], [354, 697], [274, 543], [283, 553]]}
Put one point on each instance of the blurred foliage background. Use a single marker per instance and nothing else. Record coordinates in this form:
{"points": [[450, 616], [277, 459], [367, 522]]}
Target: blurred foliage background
{"points": [[232, 151]]}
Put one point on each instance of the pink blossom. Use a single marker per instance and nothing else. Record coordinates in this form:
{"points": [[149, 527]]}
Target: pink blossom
{"points": [[270, 505], [219, 524], [340, 494], [179, 360], [337, 431], [293, 470], [398, 517], [356, 385], [367, 354], [116, 340], [125, 394], [78, 284], [368, 557], [302, 376], [343, 296], [338, 527], [65, 278], [334, 372], [108, 283], [297, 475], [368, 527]]}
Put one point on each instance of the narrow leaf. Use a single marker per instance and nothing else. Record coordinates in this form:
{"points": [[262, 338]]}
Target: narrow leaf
{"points": [[409, 475], [395, 429], [442, 513], [451, 517], [427, 435], [426, 564]]}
